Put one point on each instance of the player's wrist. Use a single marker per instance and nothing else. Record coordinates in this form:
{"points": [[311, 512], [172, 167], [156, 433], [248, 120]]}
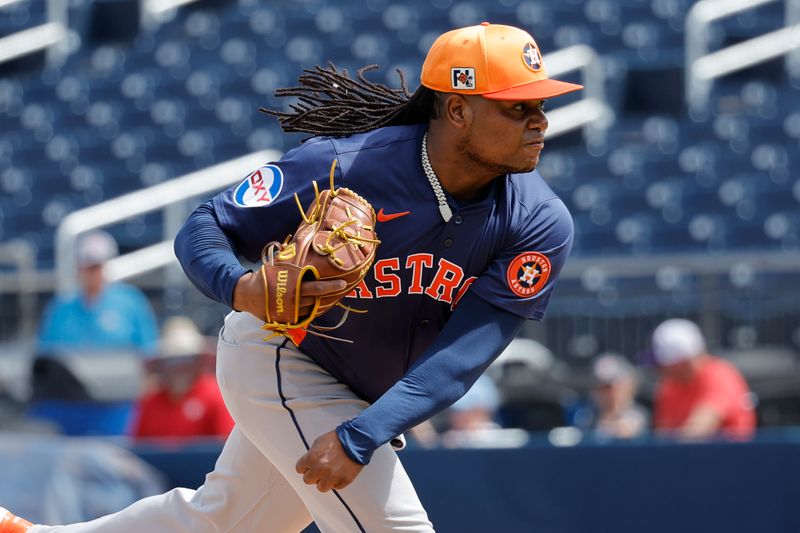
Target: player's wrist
{"points": [[244, 294], [349, 439]]}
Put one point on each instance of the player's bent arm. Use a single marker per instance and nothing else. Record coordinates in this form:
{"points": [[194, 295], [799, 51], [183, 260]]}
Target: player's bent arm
{"points": [[210, 261], [208, 256], [473, 337]]}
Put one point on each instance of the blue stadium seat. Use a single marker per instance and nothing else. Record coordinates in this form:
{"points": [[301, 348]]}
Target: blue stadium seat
{"points": [[184, 95], [646, 40], [783, 228], [671, 11], [636, 231], [592, 238], [21, 15]]}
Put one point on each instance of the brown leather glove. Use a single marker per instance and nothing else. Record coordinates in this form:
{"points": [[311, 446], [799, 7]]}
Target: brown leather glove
{"points": [[335, 240]]}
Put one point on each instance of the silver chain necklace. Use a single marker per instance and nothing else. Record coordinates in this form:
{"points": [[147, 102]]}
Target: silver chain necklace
{"points": [[444, 209]]}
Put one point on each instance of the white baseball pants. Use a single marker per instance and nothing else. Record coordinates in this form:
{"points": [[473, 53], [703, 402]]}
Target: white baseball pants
{"points": [[281, 402]]}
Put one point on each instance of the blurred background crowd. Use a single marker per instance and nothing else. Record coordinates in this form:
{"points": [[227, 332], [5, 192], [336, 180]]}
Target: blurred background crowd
{"points": [[677, 317]]}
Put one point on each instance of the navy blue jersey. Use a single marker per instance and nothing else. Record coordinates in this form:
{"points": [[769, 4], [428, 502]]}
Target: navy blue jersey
{"points": [[507, 248]]}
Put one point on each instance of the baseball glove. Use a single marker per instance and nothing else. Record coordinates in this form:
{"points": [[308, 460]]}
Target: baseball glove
{"points": [[335, 240]]}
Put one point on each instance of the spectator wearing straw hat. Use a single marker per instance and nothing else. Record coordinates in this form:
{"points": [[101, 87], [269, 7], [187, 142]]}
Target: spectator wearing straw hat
{"points": [[99, 315], [699, 395], [185, 400]]}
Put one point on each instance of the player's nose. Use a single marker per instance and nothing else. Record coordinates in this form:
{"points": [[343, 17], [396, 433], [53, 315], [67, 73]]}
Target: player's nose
{"points": [[538, 121]]}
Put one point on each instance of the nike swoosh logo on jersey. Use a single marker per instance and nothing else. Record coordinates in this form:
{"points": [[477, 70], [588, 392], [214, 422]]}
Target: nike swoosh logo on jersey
{"points": [[383, 217]]}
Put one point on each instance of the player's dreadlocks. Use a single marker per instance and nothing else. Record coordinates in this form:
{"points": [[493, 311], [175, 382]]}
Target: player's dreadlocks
{"points": [[331, 103]]}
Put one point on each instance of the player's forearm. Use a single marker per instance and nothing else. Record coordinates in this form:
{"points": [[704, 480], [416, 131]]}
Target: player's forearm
{"points": [[471, 340], [207, 256]]}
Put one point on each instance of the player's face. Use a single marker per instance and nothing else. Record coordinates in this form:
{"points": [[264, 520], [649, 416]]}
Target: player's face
{"points": [[506, 136]]}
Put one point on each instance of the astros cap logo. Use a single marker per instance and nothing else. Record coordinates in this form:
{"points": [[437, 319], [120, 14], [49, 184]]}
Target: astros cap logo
{"points": [[496, 61], [532, 57]]}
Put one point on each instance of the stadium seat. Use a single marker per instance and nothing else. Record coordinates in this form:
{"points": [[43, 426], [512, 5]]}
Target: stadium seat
{"points": [[184, 94]]}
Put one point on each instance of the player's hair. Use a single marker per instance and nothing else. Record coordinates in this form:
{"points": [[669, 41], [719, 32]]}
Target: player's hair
{"points": [[333, 104]]}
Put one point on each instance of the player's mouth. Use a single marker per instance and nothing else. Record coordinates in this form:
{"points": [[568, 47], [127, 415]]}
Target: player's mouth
{"points": [[537, 142]]}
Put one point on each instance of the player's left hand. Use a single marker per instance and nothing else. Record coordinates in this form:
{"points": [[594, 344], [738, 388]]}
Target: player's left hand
{"points": [[327, 465]]}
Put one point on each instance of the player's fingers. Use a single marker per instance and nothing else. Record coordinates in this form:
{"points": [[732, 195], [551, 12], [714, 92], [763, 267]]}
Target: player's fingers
{"points": [[310, 477], [321, 288], [307, 301], [324, 485], [304, 310], [302, 464], [342, 483]]}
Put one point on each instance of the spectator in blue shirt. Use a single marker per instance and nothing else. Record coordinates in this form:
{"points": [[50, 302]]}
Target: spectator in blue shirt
{"points": [[100, 315]]}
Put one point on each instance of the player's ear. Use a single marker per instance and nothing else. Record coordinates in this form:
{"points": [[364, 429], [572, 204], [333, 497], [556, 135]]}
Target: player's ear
{"points": [[457, 111]]}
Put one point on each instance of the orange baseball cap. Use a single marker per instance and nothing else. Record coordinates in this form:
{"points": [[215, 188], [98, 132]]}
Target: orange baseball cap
{"points": [[496, 61]]}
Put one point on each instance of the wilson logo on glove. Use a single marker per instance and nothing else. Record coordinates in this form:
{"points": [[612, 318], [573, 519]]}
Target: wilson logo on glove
{"points": [[335, 240]]}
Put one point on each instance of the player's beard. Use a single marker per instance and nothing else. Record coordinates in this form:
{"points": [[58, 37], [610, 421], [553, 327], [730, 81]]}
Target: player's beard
{"points": [[468, 150]]}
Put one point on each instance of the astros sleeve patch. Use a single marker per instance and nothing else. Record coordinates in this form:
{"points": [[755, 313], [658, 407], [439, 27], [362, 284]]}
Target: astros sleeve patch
{"points": [[528, 273], [521, 277]]}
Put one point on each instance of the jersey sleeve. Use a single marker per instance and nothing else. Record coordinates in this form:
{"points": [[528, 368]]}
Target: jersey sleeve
{"points": [[521, 278], [261, 208]]}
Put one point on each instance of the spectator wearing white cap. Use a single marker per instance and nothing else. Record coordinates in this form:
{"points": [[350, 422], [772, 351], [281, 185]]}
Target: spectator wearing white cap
{"points": [[699, 395], [98, 315], [185, 400], [614, 396]]}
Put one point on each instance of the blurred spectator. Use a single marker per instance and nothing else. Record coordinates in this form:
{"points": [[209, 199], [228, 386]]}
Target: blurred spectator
{"points": [[699, 395], [99, 315], [614, 392], [185, 400], [473, 415], [86, 373]]}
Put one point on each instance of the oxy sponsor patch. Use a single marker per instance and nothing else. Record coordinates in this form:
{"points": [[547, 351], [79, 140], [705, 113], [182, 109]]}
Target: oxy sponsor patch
{"points": [[260, 188], [528, 273]]}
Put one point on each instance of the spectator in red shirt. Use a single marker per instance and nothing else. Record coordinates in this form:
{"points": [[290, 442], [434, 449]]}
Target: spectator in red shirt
{"points": [[699, 395], [185, 400]]}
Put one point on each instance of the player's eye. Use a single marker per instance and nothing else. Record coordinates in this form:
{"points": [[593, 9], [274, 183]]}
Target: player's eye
{"points": [[522, 107]]}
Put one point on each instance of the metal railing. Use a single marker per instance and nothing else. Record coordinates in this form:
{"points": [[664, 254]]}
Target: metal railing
{"points": [[613, 303], [153, 12], [169, 197], [703, 67], [592, 113], [52, 36]]}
